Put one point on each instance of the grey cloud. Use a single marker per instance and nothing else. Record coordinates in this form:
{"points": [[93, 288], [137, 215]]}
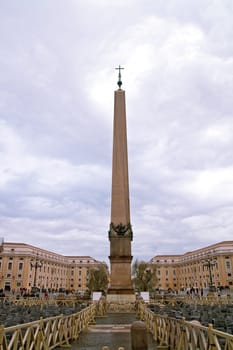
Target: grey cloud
{"points": [[56, 110]]}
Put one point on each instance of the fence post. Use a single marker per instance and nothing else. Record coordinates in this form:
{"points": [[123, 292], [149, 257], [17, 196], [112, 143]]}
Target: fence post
{"points": [[3, 342], [139, 336]]}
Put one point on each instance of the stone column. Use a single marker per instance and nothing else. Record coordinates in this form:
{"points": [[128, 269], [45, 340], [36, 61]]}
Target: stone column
{"points": [[120, 232]]}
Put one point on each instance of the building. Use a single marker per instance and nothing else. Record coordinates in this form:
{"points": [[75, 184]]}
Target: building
{"points": [[200, 268], [23, 266]]}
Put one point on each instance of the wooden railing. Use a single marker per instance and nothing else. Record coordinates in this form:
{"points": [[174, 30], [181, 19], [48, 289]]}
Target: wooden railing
{"points": [[189, 299], [171, 333], [48, 333], [30, 301]]}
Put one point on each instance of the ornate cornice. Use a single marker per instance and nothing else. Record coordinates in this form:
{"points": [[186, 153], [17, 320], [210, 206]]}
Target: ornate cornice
{"points": [[120, 230]]}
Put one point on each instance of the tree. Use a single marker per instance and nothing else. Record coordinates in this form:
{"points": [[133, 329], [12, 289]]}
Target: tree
{"points": [[144, 276], [98, 279]]}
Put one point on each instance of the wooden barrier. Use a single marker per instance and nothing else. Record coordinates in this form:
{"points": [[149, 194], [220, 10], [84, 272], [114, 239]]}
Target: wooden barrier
{"points": [[48, 333], [172, 333], [192, 299]]}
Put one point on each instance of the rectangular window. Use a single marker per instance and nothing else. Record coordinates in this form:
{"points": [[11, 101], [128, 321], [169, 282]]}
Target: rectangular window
{"points": [[20, 266], [9, 265], [228, 264]]}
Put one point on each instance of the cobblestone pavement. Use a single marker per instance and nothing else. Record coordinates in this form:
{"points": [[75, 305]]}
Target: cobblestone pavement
{"points": [[112, 330]]}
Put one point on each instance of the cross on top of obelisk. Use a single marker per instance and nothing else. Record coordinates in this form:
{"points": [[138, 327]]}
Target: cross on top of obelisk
{"points": [[119, 83]]}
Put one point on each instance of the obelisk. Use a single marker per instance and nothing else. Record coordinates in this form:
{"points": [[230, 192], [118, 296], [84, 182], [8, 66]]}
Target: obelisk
{"points": [[120, 232]]}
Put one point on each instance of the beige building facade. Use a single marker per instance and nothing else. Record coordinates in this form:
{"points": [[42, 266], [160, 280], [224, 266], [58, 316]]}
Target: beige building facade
{"points": [[23, 266], [197, 269]]}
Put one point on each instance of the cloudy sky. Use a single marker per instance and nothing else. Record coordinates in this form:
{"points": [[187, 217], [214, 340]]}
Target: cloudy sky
{"points": [[57, 82]]}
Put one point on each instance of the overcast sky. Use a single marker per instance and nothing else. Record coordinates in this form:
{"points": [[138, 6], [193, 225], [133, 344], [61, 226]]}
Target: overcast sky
{"points": [[57, 82]]}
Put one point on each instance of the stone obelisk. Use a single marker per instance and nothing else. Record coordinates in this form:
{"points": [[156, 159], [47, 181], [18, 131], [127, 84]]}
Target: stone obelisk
{"points": [[120, 232]]}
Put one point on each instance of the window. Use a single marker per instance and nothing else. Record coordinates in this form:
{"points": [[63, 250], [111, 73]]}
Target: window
{"points": [[228, 264], [20, 266], [9, 265]]}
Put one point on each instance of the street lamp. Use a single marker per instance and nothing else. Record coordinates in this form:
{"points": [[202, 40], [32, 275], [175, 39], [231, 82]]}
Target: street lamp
{"points": [[36, 264], [209, 263]]}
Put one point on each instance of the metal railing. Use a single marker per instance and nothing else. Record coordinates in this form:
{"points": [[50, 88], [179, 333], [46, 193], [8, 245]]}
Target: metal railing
{"points": [[171, 333], [47, 333]]}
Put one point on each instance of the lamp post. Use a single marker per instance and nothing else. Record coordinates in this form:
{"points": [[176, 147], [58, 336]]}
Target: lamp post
{"points": [[209, 263], [36, 264]]}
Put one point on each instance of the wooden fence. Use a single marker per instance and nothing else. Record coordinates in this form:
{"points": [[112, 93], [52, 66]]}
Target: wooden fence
{"points": [[47, 333], [171, 333]]}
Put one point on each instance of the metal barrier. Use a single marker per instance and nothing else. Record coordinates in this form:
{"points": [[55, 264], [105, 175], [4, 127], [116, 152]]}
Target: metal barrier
{"points": [[48, 333], [171, 333]]}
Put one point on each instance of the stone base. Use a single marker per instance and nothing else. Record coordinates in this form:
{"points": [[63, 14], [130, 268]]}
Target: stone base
{"points": [[122, 291], [120, 302], [121, 298]]}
